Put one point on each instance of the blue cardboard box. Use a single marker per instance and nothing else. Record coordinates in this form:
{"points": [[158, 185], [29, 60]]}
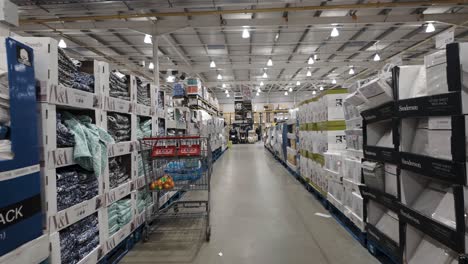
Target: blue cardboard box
{"points": [[20, 186]]}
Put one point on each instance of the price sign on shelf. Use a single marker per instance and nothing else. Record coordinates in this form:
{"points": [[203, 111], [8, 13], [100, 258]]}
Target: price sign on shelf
{"points": [[441, 40]]}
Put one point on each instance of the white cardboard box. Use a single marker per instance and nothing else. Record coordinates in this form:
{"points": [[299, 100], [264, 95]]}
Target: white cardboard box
{"points": [[35, 251]]}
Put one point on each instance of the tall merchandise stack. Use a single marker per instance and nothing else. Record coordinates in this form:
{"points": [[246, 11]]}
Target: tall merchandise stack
{"points": [[73, 150], [351, 161], [374, 97], [322, 139], [432, 116], [291, 143], [22, 238], [91, 118]]}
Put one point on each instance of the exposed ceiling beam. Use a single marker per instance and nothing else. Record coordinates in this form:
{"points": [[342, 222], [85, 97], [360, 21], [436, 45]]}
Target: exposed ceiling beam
{"points": [[376, 5], [164, 27]]}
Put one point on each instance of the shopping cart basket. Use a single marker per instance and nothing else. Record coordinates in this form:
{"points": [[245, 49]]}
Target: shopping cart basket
{"points": [[180, 164]]}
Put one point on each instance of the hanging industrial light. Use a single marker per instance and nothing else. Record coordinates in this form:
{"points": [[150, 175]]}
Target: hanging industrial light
{"points": [[212, 64], [62, 44], [430, 27], [147, 39], [310, 61], [223, 85], [298, 83], [258, 93], [286, 93], [314, 92], [334, 33], [219, 77], [334, 81], [321, 88], [270, 62], [315, 56], [227, 95], [265, 75], [277, 37], [170, 79], [261, 83], [351, 71], [226, 91], [377, 57], [290, 89], [245, 33], [309, 73], [151, 66]]}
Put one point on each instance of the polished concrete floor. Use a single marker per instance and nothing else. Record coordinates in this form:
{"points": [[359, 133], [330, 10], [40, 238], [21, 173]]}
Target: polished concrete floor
{"points": [[259, 215]]}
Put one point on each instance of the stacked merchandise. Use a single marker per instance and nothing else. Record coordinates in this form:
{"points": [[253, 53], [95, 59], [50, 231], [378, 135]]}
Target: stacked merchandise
{"points": [[178, 90], [379, 174], [160, 113], [144, 127], [70, 76], [351, 163], [431, 105], [143, 93], [144, 200], [120, 214], [322, 126], [291, 148], [75, 185], [194, 87], [119, 86], [79, 239], [22, 238], [65, 138], [118, 172], [5, 143], [119, 126]]}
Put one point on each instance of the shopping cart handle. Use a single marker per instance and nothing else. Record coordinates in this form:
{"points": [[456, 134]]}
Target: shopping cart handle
{"points": [[172, 137]]}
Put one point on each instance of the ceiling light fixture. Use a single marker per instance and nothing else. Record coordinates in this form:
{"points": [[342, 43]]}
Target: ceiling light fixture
{"points": [[265, 75], [290, 89], [286, 93], [277, 37], [245, 33], [315, 56], [430, 27], [261, 83], [226, 91], [310, 61], [227, 95], [258, 93], [309, 73], [334, 81], [270, 62], [314, 92], [62, 44], [224, 85], [298, 83], [151, 66], [170, 79], [321, 88], [351, 71], [219, 77], [377, 57], [212, 64], [147, 39], [334, 33]]}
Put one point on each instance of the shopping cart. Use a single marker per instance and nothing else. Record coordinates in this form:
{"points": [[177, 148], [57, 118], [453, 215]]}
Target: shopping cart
{"points": [[180, 164]]}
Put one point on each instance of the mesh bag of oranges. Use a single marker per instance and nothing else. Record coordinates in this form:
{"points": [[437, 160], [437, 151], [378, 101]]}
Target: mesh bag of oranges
{"points": [[164, 183]]}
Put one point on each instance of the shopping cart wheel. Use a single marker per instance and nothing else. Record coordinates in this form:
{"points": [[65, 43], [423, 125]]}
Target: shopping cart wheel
{"points": [[208, 234]]}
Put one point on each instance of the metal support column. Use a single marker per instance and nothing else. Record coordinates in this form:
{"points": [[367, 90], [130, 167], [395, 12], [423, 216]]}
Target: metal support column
{"points": [[155, 40]]}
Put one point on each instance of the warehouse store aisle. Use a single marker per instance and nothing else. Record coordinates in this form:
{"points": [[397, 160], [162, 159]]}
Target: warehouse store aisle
{"points": [[261, 214]]}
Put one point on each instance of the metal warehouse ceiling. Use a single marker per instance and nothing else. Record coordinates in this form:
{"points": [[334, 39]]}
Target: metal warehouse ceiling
{"points": [[192, 33]]}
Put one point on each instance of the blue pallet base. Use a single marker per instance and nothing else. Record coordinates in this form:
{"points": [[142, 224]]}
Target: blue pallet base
{"points": [[379, 253], [348, 225]]}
